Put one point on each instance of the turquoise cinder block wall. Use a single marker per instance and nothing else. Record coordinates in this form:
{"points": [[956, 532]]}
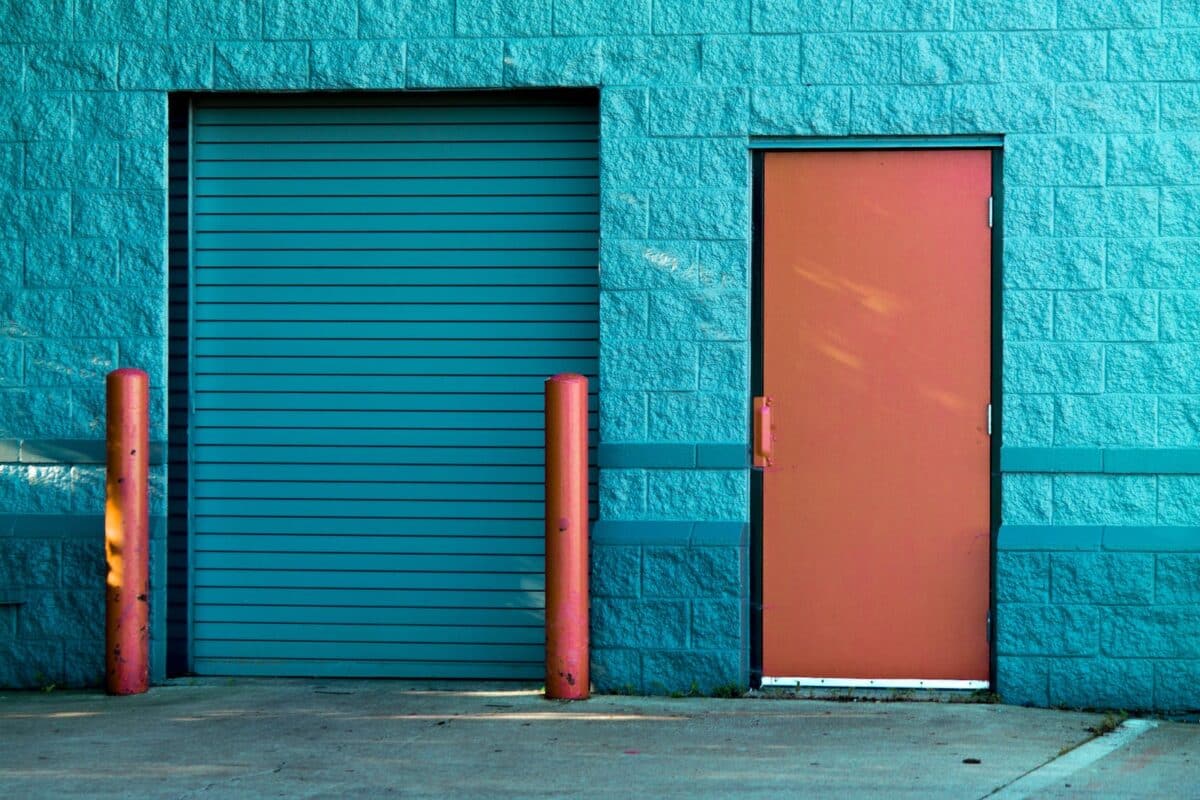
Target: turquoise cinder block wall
{"points": [[1098, 562]]}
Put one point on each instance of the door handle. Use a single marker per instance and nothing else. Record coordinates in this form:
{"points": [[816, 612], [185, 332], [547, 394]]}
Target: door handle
{"points": [[762, 435]]}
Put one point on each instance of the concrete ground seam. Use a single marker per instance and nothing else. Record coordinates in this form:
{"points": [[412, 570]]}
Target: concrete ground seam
{"points": [[1086, 754]]}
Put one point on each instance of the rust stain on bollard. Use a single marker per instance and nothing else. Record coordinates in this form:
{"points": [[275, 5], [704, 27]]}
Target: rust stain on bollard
{"points": [[567, 676], [126, 533]]}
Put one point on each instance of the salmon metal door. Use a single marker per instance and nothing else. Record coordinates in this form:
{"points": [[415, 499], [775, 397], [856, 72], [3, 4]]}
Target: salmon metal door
{"points": [[876, 351]]}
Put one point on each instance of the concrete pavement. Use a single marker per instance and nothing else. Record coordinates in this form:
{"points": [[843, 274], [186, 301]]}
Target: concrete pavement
{"points": [[259, 738]]}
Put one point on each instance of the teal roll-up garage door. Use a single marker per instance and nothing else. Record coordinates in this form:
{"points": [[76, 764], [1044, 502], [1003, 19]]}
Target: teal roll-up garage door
{"points": [[380, 285]]}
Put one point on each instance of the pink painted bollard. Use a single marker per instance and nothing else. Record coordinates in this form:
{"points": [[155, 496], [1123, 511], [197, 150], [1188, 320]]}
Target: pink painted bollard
{"points": [[567, 676], [126, 534]]}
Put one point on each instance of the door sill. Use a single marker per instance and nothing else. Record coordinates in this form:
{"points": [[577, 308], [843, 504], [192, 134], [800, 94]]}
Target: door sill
{"points": [[873, 683]]}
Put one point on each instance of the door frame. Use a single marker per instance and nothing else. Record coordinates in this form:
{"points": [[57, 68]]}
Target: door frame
{"points": [[758, 148]]}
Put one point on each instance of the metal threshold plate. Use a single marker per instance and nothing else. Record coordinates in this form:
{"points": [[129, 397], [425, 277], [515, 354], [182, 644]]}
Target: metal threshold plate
{"points": [[873, 683]]}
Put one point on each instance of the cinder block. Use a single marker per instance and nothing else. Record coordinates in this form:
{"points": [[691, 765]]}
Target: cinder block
{"points": [[1112, 212], [1028, 629], [33, 116], [1003, 15], [1106, 316], [169, 67], [623, 314], [1028, 211], [616, 571], [261, 65], [1154, 56], [1055, 160], [1046, 56], [1102, 578], [83, 663], [1154, 263], [134, 115], [1026, 499], [716, 624], [28, 563], [1107, 107], [950, 58], [637, 623], [1104, 499], [673, 671], [602, 17], [751, 60], [1022, 577], [1120, 420], [702, 16], [698, 416], [405, 18], [625, 213], [35, 490], [616, 670], [1102, 683], [670, 366], [699, 495], [622, 493], [1028, 420], [1008, 108], [651, 60], [1151, 631], [699, 112], [1177, 685], [1050, 368], [852, 58], [205, 20], [349, 64], [1181, 212], [648, 264], [692, 572], [503, 17], [436, 64], [705, 316], [1023, 681], [328, 19], [1177, 579], [553, 62], [1178, 421], [650, 162], [28, 664], [127, 215], [623, 416], [1177, 499], [130, 19], [799, 16], [908, 110], [623, 112], [700, 214], [724, 163], [1111, 14], [800, 110], [1028, 315], [1166, 368]]}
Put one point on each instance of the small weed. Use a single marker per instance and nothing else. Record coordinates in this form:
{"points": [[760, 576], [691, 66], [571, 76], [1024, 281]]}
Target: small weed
{"points": [[1112, 720], [902, 695], [625, 689], [728, 691], [983, 696]]}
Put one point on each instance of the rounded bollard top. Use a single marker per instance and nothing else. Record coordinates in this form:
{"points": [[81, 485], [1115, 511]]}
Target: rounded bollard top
{"points": [[567, 377], [127, 373]]}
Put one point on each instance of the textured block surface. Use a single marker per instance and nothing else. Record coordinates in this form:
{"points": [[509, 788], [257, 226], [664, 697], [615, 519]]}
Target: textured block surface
{"points": [[1098, 104]]}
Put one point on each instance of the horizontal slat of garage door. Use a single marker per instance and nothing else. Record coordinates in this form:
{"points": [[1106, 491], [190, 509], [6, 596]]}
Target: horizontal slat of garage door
{"points": [[380, 287]]}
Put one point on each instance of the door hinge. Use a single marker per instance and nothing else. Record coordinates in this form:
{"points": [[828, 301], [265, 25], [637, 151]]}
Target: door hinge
{"points": [[989, 212], [989, 419], [988, 627]]}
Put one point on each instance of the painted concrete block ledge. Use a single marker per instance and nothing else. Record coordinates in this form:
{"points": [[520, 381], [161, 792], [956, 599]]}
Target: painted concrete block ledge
{"points": [[1095, 107]]}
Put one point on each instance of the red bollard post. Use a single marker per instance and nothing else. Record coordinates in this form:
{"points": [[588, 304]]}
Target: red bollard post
{"points": [[567, 675], [126, 533]]}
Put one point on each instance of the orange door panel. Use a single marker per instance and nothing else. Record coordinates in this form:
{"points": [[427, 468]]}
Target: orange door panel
{"points": [[876, 362]]}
